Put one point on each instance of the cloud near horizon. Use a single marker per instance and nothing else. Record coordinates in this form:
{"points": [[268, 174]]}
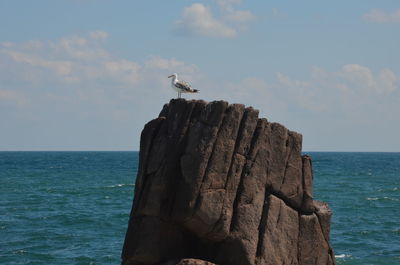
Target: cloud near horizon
{"points": [[380, 16], [79, 70], [79, 59], [78, 78], [354, 93]]}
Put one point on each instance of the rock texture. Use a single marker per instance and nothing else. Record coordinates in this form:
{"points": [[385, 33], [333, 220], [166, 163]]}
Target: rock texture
{"points": [[216, 184]]}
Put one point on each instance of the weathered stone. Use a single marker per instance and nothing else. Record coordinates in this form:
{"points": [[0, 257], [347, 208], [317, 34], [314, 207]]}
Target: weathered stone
{"points": [[216, 184], [209, 203], [150, 240], [313, 247], [188, 262], [146, 139], [324, 214], [201, 138], [286, 165], [249, 202], [307, 205], [278, 234]]}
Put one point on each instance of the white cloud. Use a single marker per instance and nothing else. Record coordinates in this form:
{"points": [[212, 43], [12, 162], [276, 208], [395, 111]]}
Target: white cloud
{"points": [[6, 44], [380, 16], [124, 70], [229, 12], [227, 6], [61, 68], [301, 93], [359, 75], [197, 20], [348, 91], [33, 45], [73, 88], [351, 87], [362, 78], [243, 91], [388, 80], [80, 48], [240, 16], [157, 62], [13, 97], [82, 65], [98, 35]]}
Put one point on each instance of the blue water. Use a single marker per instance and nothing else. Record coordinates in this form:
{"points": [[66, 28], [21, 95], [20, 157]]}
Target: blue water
{"points": [[64, 207], [73, 207], [363, 190]]}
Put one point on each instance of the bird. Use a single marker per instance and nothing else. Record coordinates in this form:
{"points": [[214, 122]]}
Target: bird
{"points": [[181, 86]]}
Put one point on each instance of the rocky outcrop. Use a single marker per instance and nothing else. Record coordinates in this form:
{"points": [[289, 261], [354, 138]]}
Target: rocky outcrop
{"points": [[217, 184]]}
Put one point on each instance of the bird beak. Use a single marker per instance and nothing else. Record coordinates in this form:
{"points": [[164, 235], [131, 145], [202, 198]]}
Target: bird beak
{"points": [[170, 76]]}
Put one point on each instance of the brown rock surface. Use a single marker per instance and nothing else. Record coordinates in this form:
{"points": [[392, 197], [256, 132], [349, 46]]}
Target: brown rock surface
{"points": [[188, 262], [216, 184]]}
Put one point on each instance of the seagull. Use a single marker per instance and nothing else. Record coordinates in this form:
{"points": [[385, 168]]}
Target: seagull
{"points": [[181, 86]]}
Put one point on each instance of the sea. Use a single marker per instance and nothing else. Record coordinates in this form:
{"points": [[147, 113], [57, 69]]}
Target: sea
{"points": [[73, 207]]}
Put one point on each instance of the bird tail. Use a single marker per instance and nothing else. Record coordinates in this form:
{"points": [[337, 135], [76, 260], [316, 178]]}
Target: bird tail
{"points": [[195, 90]]}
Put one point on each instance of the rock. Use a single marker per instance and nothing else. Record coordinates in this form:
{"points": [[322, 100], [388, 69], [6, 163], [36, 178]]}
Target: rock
{"points": [[188, 262], [313, 247], [194, 262], [217, 184]]}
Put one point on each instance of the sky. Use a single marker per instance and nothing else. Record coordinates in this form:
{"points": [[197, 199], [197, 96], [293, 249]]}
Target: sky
{"points": [[88, 74]]}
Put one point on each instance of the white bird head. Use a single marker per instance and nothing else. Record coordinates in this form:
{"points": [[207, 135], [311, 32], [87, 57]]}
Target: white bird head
{"points": [[175, 75]]}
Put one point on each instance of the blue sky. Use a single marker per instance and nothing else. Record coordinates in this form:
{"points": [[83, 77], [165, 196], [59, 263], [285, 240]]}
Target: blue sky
{"points": [[88, 74]]}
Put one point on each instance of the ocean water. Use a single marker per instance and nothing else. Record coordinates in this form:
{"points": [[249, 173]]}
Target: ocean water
{"points": [[363, 190], [64, 207], [73, 207]]}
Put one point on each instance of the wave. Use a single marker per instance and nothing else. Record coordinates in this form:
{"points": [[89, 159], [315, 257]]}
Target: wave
{"points": [[342, 256], [388, 189], [381, 199], [120, 185]]}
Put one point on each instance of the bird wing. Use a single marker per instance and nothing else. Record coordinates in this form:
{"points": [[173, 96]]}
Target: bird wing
{"points": [[184, 86]]}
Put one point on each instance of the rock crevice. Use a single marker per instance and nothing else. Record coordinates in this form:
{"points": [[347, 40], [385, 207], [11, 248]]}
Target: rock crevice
{"points": [[217, 184]]}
